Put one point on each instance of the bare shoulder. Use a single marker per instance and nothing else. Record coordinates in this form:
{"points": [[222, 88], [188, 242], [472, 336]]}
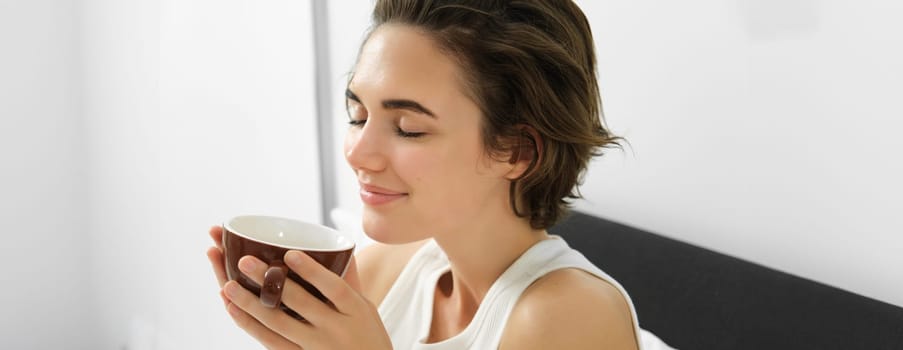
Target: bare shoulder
{"points": [[380, 264], [570, 309]]}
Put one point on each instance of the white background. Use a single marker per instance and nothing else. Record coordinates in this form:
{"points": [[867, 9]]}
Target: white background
{"points": [[128, 129], [763, 129]]}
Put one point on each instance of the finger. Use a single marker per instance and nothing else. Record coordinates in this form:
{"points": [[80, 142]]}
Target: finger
{"points": [[293, 295], [216, 233], [215, 255], [331, 285], [272, 318], [264, 335]]}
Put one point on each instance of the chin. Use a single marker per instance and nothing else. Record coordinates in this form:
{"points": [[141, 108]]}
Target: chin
{"points": [[387, 231]]}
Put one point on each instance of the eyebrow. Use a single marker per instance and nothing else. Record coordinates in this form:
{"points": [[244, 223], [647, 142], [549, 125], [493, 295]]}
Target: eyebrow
{"points": [[396, 104]]}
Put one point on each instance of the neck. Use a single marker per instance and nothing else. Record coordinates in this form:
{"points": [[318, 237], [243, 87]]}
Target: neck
{"points": [[487, 249]]}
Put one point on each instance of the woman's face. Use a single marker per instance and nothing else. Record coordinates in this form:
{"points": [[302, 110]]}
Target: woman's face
{"points": [[415, 142]]}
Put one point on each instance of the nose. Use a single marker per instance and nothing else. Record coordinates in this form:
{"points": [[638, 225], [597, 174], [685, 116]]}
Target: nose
{"points": [[364, 149]]}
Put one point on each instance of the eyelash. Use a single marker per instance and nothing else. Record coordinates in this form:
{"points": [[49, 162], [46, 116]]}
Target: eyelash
{"points": [[410, 135], [398, 131]]}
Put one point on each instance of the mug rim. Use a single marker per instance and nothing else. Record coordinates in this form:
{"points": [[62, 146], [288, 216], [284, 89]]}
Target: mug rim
{"points": [[227, 227]]}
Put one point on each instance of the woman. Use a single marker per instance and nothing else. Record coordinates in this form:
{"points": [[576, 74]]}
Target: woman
{"points": [[470, 125]]}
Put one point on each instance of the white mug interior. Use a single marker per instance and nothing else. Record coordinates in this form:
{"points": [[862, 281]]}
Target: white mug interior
{"points": [[288, 233]]}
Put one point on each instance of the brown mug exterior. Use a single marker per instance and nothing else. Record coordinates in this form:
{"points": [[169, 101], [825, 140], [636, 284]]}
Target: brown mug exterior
{"points": [[236, 246]]}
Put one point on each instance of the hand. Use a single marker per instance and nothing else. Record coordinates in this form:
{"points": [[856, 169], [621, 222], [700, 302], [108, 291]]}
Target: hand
{"points": [[353, 324]]}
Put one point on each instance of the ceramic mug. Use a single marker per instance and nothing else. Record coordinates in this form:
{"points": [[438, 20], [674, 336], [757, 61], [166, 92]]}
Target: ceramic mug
{"points": [[268, 238]]}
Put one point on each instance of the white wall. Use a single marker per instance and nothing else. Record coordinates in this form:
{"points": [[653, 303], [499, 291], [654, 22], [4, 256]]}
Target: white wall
{"points": [[196, 111], [762, 129], [45, 298], [120, 91], [128, 129], [239, 116]]}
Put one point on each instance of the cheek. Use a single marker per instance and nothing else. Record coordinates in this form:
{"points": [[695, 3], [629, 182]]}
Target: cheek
{"points": [[441, 173], [417, 166]]}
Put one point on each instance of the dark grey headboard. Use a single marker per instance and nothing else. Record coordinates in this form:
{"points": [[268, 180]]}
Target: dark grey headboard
{"points": [[694, 298]]}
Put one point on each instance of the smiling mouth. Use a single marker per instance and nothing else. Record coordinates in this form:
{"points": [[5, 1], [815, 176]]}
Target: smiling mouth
{"points": [[375, 197]]}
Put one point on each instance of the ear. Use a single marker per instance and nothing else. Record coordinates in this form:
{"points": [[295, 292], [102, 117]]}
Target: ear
{"points": [[525, 153]]}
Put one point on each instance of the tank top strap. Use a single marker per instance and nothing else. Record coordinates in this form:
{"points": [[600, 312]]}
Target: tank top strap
{"points": [[544, 257]]}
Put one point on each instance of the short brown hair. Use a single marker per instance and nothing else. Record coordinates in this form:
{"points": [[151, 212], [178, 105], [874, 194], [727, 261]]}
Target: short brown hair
{"points": [[525, 63]]}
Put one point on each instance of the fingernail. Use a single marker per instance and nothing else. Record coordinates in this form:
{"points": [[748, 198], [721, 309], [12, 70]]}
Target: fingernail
{"points": [[293, 257], [247, 265]]}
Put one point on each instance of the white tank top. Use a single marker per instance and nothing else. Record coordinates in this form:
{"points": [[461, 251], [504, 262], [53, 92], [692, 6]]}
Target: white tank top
{"points": [[407, 309]]}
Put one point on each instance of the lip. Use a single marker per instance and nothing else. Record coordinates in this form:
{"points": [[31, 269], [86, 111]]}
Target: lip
{"points": [[375, 195]]}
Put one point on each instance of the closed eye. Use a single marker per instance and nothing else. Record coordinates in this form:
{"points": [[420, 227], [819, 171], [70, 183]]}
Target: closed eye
{"points": [[406, 134], [357, 114]]}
